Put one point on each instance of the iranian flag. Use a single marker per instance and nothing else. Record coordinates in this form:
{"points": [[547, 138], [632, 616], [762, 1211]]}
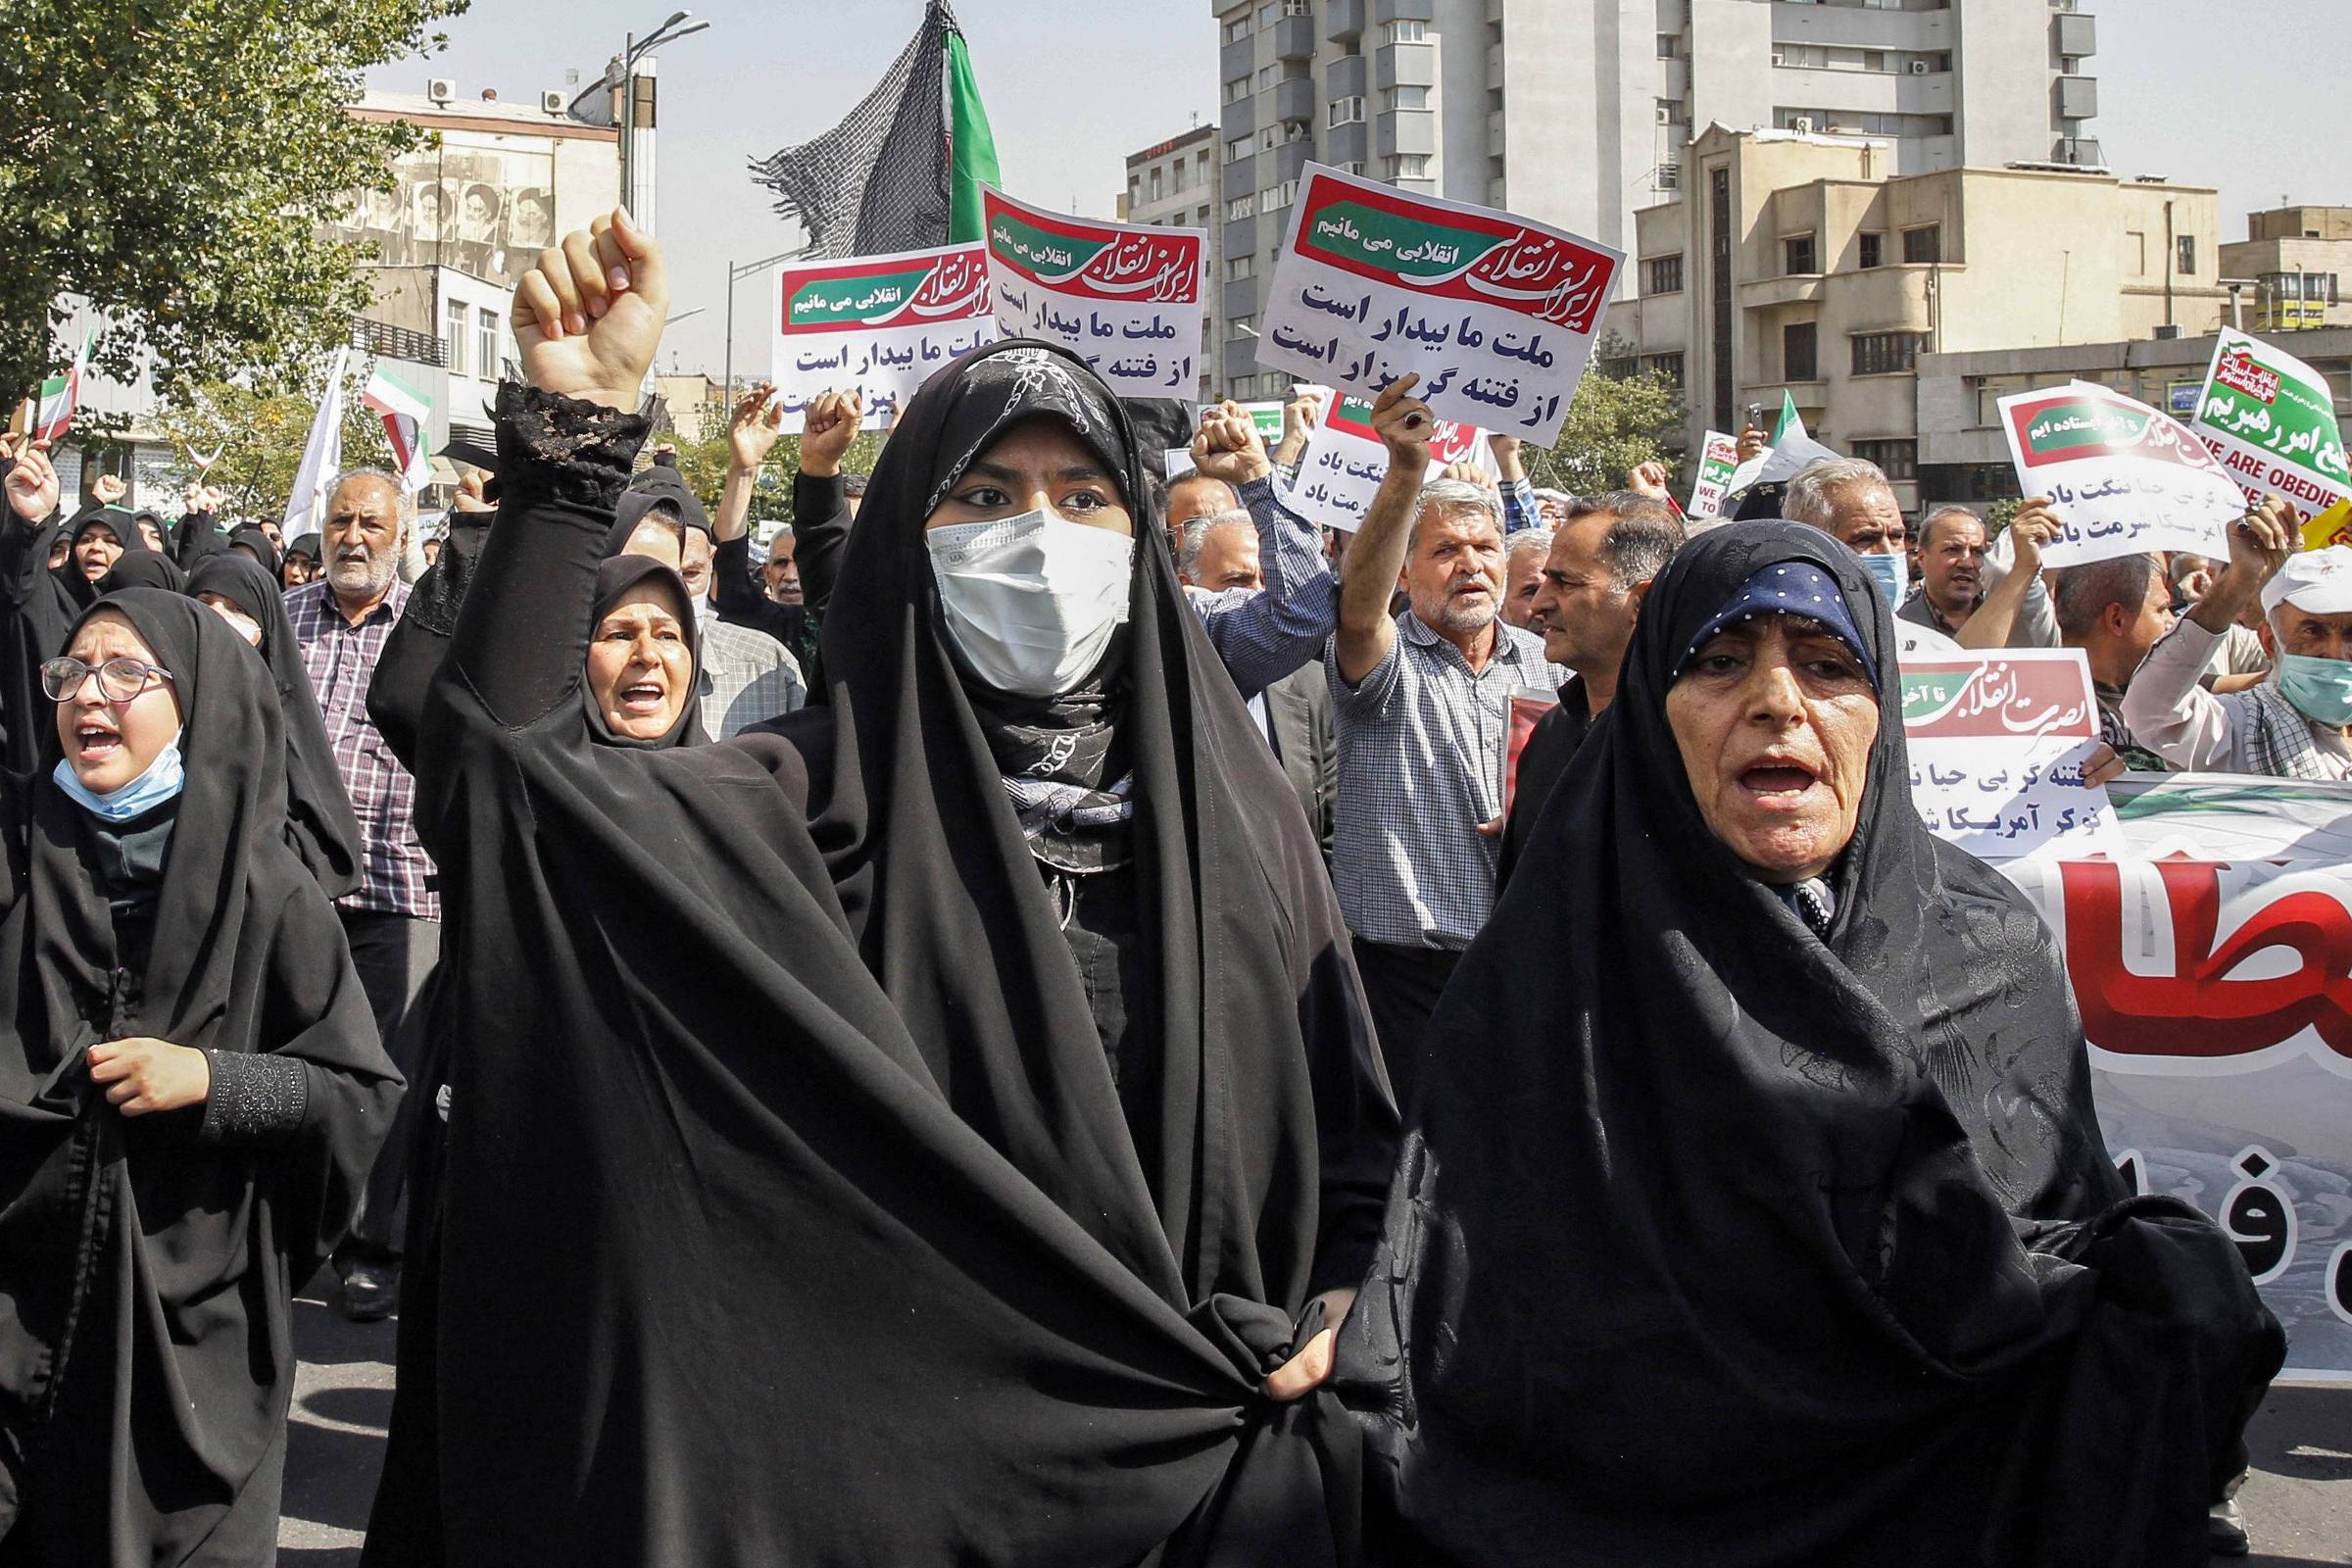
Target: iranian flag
{"points": [[60, 396], [407, 417]]}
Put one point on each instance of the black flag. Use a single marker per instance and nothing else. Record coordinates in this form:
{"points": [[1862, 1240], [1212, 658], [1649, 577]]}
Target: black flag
{"points": [[880, 180]]}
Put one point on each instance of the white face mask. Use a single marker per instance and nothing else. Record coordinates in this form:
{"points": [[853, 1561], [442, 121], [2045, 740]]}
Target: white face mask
{"points": [[1031, 602]]}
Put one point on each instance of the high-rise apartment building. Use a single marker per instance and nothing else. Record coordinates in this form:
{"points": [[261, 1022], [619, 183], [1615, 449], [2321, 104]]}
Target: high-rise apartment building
{"points": [[1578, 111], [1174, 185]]}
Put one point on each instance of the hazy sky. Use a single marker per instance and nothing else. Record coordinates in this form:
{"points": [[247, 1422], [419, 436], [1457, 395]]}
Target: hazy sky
{"points": [[2189, 89]]}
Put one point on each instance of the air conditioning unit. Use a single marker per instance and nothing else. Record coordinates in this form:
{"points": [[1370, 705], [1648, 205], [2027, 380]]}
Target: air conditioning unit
{"points": [[1919, 67], [1665, 115], [441, 89], [1805, 125], [551, 103]]}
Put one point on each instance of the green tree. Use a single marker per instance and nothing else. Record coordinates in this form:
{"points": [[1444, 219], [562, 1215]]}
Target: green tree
{"points": [[259, 436], [1616, 423], [174, 162]]}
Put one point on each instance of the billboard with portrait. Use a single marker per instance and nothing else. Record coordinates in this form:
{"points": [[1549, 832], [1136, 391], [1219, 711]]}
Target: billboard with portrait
{"points": [[480, 205]]}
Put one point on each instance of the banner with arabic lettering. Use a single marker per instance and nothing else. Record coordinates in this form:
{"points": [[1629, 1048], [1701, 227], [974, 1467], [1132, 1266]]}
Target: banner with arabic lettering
{"points": [[1496, 313], [2270, 420], [1128, 299], [882, 323], [1718, 461], [2213, 966], [2123, 478], [1345, 460], [1999, 744]]}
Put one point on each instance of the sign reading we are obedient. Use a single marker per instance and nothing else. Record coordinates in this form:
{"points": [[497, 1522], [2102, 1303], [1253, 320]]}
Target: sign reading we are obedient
{"points": [[1495, 314], [880, 323], [1126, 298]]}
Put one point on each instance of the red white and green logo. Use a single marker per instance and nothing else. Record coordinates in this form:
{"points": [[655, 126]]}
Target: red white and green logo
{"points": [[1449, 440], [887, 292], [408, 424], [61, 394], [1131, 265], [1477, 257]]}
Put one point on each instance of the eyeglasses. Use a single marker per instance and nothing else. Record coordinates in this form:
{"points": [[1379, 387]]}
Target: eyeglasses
{"points": [[119, 679]]}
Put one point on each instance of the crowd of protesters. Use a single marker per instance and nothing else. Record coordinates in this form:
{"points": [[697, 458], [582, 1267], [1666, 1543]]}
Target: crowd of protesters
{"points": [[1014, 1025]]}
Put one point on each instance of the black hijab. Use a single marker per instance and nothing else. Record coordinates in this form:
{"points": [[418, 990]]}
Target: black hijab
{"points": [[319, 822], [258, 544], [138, 567], [306, 544], [1715, 1242], [146, 1362], [613, 581], [1022, 1345]]}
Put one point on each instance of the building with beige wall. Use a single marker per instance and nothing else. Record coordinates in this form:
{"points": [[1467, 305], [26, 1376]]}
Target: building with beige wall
{"points": [[1807, 264], [2293, 261]]}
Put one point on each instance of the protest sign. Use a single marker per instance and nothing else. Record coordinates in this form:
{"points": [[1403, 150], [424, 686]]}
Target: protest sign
{"points": [[1126, 299], [1267, 417], [1495, 314], [1718, 461], [1999, 744], [2123, 478], [2213, 992], [1345, 460], [2270, 420], [882, 323]]}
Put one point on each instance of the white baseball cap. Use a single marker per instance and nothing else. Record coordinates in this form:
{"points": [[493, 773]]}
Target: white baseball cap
{"points": [[2316, 580]]}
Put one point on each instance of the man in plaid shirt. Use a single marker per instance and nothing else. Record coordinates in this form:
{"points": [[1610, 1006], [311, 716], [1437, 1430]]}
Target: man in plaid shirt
{"points": [[341, 622]]}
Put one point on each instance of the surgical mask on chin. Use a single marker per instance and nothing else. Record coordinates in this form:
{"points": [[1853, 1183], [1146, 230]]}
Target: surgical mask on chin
{"points": [[159, 781], [1893, 574], [2320, 688], [1031, 602]]}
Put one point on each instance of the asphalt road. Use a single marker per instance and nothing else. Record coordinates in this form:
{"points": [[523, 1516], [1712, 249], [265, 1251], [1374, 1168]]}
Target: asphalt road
{"points": [[2298, 1502]]}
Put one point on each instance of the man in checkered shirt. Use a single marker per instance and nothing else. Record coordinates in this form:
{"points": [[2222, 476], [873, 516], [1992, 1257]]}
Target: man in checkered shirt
{"points": [[1422, 703], [341, 622]]}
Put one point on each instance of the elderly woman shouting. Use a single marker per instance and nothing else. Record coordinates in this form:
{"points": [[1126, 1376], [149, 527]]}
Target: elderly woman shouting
{"points": [[1754, 1210]]}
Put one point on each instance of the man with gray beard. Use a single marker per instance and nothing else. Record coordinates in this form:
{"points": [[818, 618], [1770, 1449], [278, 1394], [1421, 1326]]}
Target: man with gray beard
{"points": [[1422, 703], [341, 622]]}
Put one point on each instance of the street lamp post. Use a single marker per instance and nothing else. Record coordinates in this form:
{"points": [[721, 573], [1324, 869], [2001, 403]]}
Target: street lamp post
{"points": [[631, 52], [737, 271]]}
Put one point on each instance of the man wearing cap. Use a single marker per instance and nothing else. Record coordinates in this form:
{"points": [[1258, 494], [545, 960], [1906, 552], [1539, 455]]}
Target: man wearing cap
{"points": [[2290, 726]]}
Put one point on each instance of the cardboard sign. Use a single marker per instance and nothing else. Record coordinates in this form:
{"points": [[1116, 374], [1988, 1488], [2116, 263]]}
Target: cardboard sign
{"points": [[2124, 478], [1999, 744], [1126, 299], [1496, 313], [1345, 460], [883, 324], [2270, 420], [1718, 461]]}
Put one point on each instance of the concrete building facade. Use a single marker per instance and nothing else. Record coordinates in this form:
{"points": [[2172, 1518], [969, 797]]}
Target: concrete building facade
{"points": [[2294, 262], [1174, 185], [1579, 113], [1810, 264]]}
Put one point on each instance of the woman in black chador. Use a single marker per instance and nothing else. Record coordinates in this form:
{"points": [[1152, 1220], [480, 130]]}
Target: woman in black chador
{"points": [[191, 1090]]}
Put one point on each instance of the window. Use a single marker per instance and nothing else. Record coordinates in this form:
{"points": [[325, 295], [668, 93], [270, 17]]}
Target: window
{"points": [[1269, 138], [1662, 274], [1236, 149], [1176, 176], [1159, 185], [1800, 361], [2319, 286], [1875, 60], [2186, 255], [1354, 166], [1667, 367], [1276, 197], [2135, 252], [1897, 459], [1407, 32], [1268, 14], [1874, 249], [1349, 111], [485, 340], [1923, 246], [1200, 217], [1670, 47], [1237, 89], [1238, 267], [1294, 8], [1268, 76], [1885, 352], [456, 312], [1404, 98], [1410, 166], [1797, 254], [1238, 29], [1241, 207], [1243, 326]]}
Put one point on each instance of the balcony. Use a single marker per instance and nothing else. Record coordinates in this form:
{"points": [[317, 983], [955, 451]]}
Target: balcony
{"points": [[1405, 131], [1240, 178], [1384, 11], [1405, 65], [1767, 292], [1241, 298], [1294, 38], [1343, 19], [389, 342], [1347, 78], [1295, 100], [1348, 144], [1289, 161], [1237, 59], [1241, 238], [1240, 117]]}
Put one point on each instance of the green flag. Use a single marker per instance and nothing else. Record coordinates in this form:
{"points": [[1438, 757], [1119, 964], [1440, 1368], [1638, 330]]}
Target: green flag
{"points": [[1789, 418], [971, 146]]}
